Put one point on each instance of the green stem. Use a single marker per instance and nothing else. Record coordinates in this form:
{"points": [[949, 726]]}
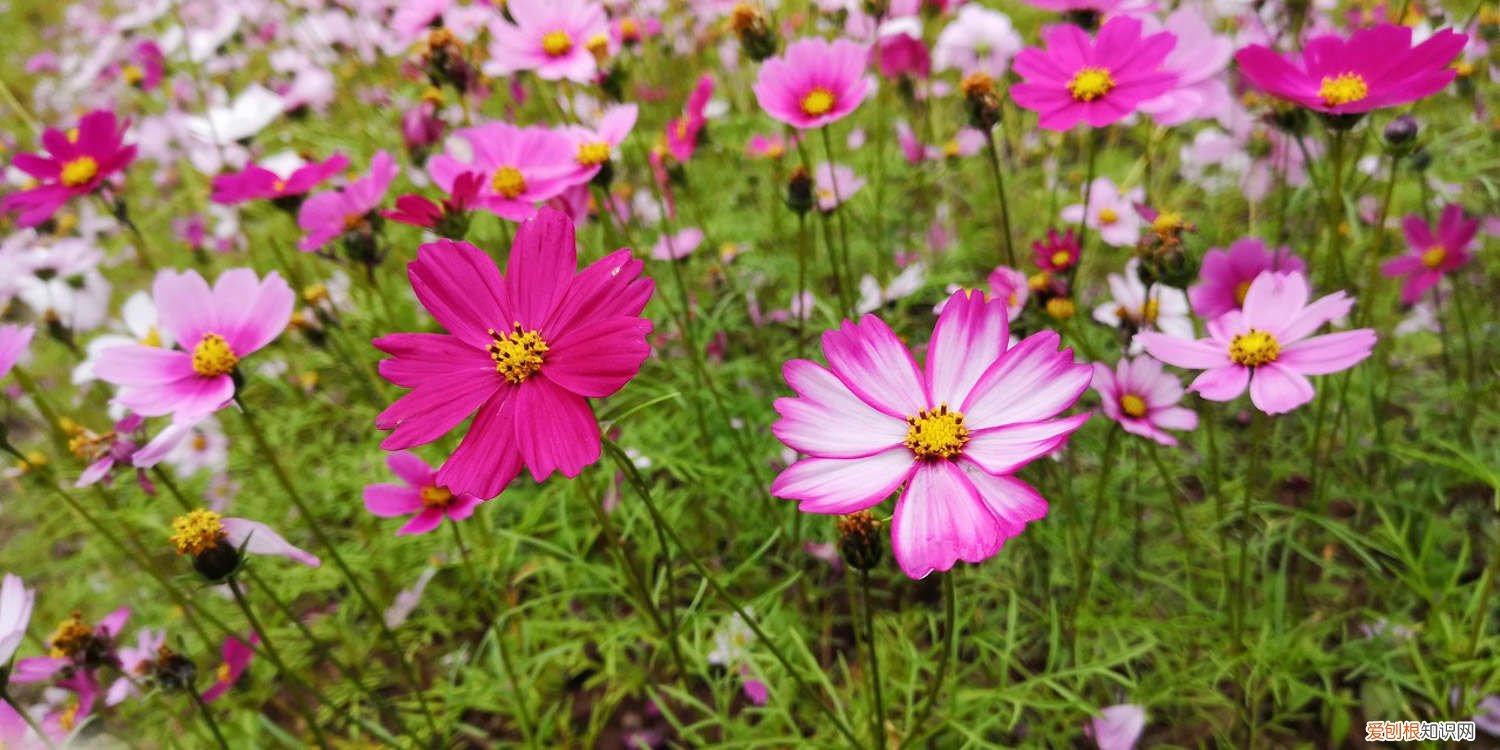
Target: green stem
{"points": [[935, 687], [276, 661], [1332, 253], [1086, 562], [1005, 233], [208, 716], [1259, 421], [493, 615], [644, 492], [877, 712], [1091, 144], [326, 542], [838, 200], [1178, 501]]}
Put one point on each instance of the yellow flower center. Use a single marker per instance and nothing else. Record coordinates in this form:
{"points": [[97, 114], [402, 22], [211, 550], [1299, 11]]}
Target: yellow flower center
{"points": [[279, 185], [1240, 290], [152, 337], [70, 638], [950, 149], [314, 293], [590, 154], [1039, 281], [222, 674], [1108, 216], [1434, 256], [1134, 406], [79, 171], [936, 433], [200, 442], [436, 497], [1090, 83], [1254, 349], [1343, 89], [132, 74], [1062, 258], [196, 532], [817, 102], [598, 46], [1151, 310], [518, 354], [1167, 222], [775, 151], [557, 43], [630, 29], [1061, 308], [69, 717], [508, 182], [212, 356]]}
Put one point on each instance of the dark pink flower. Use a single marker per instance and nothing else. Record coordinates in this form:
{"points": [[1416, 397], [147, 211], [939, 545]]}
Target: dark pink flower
{"points": [[1057, 253], [259, 183], [682, 132], [421, 497], [525, 350], [1225, 276], [78, 162], [814, 82], [1096, 81], [327, 215], [1431, 255], [236, 655], [1143, 399], [525, 166]]}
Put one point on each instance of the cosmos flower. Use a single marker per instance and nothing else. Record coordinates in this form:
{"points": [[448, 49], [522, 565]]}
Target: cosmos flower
{"points": [[1431, 254], [953, 434], [1199, 60], [1095, 81], [261, 183], [594, 147], [814, 82], [421, 497], [835, 184], [524, 166], [203, 533], [678, 245], [978, 39], [1374, 68], [450, 218], [550, 38], [1117, 727], [1142, 399], [1137, 307], [525, 349], [900, 51], [135, 664], [76, 646], [1268, 345], [329, 214], [78, 161], [1057, 253], [1225, 276], [1110, 213], [681, 133], [13, 342], [238, 316], [16, 602], [872, 296], [139, 316], [236, 655]]}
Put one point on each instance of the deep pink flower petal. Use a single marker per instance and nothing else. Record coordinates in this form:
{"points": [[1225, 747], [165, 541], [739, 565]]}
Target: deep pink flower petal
{"points": [[422, 523], [488, 457], [1029, 382], [555, 429], [436, 405], [462, 288], [410, 468], [542, 263], [1013, 502], [598, 358], [392, 500]]}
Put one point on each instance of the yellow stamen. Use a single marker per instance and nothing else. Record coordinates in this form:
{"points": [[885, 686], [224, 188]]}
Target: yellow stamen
{"points": [[68, 719], [314, 293], [152, 337], [817, 102], [79, 171], [598, 46], [222, 674], [1167, 223], [436, 497], [1150, 311], [132, 74], [197, 532], [1134, 406], [1240, 290], [557, 43], [1254, 349], [936, 433], [509, 182], [1346, 88], [213, 357], [1090, 83], [590, 154], [1434, 256], [1062, 258], [70, 638], [518, 354], [1108, 216], [1061, 308]]}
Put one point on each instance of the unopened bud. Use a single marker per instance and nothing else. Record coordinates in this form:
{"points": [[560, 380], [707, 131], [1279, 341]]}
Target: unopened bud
{"points": [[860, 541]]}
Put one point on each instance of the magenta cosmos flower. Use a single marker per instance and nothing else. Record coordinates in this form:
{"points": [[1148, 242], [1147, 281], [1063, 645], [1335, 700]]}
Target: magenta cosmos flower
{"points": [[1431, 255], [327, 215], [953, 434], [814, 82], [524, 166], [1225, 276], [77, 162], [1096, 81], [13, 342], [421, 497], [1375, 67], [236, 655], [525, 349], [217, 327], [592, 147], [1057, 253], [1142, 399], [550, 38], [259, 183], [1267, 346]]}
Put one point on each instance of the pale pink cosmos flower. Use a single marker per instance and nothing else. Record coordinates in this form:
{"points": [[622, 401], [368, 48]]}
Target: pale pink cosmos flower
{"points": [[1095, 81], [1143, 399], [1137, 307], [1268, 345], [525, 350], [1431, 255], [421, 497], [135, 664], [953, 434], [522, 166], [13, 342], [814, 82], [1110, 213], [979, 39], [834, 185], [329, 214], [593, 147], [678, 245], [1117, 727], [224, 324], [549, 38], [1199, 60], [16, 602], [1225, 276]]}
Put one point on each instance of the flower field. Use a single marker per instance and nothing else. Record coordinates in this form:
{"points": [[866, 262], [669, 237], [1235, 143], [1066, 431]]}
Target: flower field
{"points": [[701, 373]]}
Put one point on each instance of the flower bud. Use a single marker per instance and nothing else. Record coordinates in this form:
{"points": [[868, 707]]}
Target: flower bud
{"points": [[860, 541], [799, 191], [757, 37], [980, 99]]}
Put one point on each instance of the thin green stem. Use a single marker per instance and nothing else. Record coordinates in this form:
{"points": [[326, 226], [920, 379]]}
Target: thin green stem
{"points": [[493, 615], [1259, 420], [275, 657], [935, 687], [208, 716], [628, 468], [1085, 563], [1005, 233], [877, 698], [1091, 145], [1178, 500], [838, 211]]}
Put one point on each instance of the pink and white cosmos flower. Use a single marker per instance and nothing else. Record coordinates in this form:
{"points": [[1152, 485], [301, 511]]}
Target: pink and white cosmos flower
{"points": [[1142, 399]]}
